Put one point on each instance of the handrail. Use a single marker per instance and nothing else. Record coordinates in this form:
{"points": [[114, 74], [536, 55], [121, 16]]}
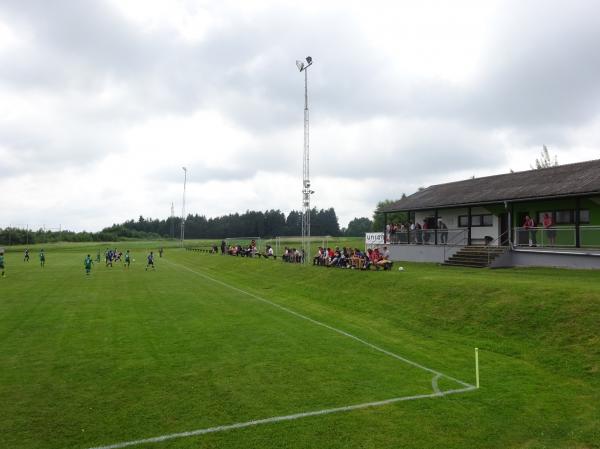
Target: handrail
{"points": [[449, 243], [490, 244]]}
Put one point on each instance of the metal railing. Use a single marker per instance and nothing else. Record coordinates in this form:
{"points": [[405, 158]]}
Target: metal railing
{"points": [[456, 237], [496, 243], [589, 236], [563, 236]]}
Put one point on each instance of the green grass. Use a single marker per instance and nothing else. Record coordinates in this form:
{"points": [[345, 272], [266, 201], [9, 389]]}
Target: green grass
{"points": [[124, 355]]}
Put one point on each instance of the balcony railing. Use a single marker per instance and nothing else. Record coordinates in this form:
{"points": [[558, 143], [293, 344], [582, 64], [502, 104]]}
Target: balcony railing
{"points": [[557, 237], [554, 237], [452, 237]]}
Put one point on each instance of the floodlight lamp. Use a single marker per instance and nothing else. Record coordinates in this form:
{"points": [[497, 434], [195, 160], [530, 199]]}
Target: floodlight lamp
{"points": [[309, 59], [300, 65]]}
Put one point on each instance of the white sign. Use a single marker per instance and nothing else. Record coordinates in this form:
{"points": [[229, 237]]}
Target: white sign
{"points": [[374, 238]]}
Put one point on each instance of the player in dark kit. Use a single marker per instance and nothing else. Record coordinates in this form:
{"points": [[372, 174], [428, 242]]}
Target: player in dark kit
{"points": [[150, 261], [2, 263], [26, 257], [88, 264]]}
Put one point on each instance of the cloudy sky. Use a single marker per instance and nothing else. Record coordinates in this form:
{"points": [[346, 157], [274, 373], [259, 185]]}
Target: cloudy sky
{"points": [[103, 101]]}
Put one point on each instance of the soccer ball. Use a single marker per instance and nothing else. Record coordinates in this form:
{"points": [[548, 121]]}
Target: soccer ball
{"points": [[400, 268], [133, 260]]}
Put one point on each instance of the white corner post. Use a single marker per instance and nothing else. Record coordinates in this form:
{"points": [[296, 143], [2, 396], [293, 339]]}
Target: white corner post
{"points": [[477, 367]]}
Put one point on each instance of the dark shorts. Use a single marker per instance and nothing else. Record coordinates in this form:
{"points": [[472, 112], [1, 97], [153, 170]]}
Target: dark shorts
{"points": [[2, 266], [551, 233]]}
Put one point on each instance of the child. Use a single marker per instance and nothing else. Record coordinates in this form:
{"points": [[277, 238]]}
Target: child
{"points": [[127, 259], [150, 261], [2, 262], [88, 264]]}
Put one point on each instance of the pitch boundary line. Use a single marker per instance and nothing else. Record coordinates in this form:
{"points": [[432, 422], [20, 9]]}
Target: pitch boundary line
{"points": [[276, 419], [327, 326]]}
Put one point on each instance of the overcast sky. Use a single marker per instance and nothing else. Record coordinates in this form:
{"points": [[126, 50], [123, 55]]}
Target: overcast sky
{"points": [[103, 101]]}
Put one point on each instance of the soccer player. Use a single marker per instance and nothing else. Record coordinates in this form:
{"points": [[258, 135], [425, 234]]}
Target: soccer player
{"points": [[88, 264], [26, 258], [98, 256], [160, 251], [42, 258], [127, 259], [150, 261], [2, 262]]}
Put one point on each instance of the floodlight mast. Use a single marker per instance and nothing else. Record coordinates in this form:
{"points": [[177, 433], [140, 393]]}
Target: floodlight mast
{"points": [[183, 206], [306, 192]]}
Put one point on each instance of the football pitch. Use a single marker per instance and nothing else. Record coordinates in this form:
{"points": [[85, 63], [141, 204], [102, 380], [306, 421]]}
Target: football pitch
{"points": [[213, 351]]}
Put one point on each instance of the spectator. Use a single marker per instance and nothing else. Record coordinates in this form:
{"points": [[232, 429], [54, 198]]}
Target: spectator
{"points": [[426, 233], [418, 234], [529, 226], [443, 231], [549, 229]]}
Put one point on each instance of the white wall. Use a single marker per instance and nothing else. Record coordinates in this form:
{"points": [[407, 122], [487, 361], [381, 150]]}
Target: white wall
{"points": [[450, 217]]}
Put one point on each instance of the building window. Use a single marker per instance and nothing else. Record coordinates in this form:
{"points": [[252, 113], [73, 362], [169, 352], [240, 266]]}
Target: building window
{"points": [[584, 216], [477, 221], [564, 217]]}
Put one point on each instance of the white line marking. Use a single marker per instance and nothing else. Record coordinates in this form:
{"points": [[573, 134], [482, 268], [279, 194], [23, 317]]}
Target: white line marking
{"points": [[319, 323], [279, 419], [437, 393]]}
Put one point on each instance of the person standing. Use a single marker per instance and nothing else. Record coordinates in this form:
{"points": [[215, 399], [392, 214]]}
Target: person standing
{"points": [[549, 229], [26, 257], [160, 252], [2, 274], [42, 258], [150, 262], [127, 259], [529, 226], [87, 263], [444, 231]]}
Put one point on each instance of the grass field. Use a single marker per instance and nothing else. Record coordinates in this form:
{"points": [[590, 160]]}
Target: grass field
{"points": [[207, 341]]}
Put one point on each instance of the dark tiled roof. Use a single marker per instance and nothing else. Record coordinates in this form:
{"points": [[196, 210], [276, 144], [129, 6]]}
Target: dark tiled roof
{"points": [[565, 180]]}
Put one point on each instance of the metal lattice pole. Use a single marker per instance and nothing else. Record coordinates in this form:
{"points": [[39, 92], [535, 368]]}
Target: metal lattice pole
{"points": [[306, 192]]}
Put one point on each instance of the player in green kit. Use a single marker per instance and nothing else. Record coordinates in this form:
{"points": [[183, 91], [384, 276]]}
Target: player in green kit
{"points": [[127, 259], [98, 256], [88, 264], [42, 258], [2, 262]]}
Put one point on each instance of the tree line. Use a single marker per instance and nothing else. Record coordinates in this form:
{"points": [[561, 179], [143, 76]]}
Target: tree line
{"points": [[270, 223]]}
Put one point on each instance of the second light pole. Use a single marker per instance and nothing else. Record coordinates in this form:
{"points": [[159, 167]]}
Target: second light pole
{"points": [[183, 207]]}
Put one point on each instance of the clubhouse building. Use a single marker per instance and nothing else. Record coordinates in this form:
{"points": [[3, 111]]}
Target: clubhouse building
{"points": [[483, 221]]}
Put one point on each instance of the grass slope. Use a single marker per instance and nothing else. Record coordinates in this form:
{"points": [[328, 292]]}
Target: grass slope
{"points": [[127, 355]]}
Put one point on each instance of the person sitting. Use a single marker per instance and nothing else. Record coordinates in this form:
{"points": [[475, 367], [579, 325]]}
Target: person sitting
{"points": [[384, 259], [268, 252], [318, 256]]}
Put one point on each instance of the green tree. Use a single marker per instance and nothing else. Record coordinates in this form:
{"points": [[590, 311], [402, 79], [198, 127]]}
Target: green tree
{"points": [[379, 219], [545, 161], [358, 227]]}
